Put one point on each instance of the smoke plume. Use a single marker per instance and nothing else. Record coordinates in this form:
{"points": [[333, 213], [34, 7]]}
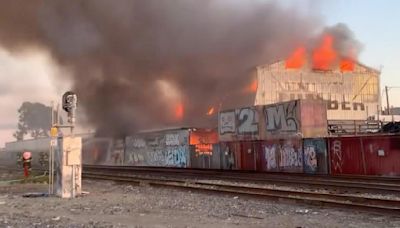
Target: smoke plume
{"points": [[140, 64]]}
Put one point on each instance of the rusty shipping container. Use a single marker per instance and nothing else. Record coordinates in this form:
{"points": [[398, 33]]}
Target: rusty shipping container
{"points": [[365, 155], [382, 155], [282, 155], [345, 155]]}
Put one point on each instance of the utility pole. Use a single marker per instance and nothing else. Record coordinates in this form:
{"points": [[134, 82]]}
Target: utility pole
{"points": [[387, 100]]}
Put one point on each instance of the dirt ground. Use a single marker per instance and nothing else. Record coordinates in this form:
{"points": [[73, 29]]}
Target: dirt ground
{"points": [[120, 205]]}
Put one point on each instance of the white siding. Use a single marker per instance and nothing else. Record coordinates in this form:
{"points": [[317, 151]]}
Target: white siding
{"points": [[346, 91]]}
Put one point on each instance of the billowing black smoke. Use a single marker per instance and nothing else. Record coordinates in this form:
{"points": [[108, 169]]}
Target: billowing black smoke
{"points": [[138, 64]]}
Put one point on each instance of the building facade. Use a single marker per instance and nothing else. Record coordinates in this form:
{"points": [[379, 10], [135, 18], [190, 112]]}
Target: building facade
{"points": [[349, 95]]}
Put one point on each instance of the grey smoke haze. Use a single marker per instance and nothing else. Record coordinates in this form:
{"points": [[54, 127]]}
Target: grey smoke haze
{"points": [[134, 61], [345, 41]]}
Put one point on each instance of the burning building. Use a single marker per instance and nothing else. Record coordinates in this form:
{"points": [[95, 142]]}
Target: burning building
{"points": [[350, 89]]}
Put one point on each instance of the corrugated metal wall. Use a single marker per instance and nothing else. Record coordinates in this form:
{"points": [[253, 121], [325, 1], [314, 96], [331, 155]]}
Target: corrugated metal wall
{"points": [[365, 155]]}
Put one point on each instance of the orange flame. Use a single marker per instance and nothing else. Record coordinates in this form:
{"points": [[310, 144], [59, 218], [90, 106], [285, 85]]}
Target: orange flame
{"points": [[297, 59], [179, 111], [347, 64], [210, 111], [324, 56], [252, 88]]}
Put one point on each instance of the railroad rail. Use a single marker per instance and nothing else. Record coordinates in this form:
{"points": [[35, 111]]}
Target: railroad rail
{"points": [[342, 184], [217, 181]]}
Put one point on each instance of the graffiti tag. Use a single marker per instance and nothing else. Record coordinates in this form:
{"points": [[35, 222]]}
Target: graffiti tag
{"points": [[310, 158], [176, 156], [270, 157], [283, 156], [172, 139], [248, 121], [337, 156], [138, 143], [290, 157], [282, 117], [227, 122]]}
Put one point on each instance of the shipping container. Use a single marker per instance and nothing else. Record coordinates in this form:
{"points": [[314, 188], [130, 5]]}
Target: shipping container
{"points": [[241, 124], [365, 155], [230, 155], [282, 155], [202, 148], [97, 151], [345, 155], [216, 159], [382, 155], [250, 154], [306, 118], [163, 148], [315, 156]]}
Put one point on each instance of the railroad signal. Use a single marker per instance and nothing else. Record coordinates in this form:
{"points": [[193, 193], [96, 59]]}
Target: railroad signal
{"points": [[69, 104]]}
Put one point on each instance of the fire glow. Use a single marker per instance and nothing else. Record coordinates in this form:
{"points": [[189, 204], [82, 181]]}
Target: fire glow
{"points": [[324, 57], [347, 64], [252, 87], [210, 111], [179, 111], [297, 59]]}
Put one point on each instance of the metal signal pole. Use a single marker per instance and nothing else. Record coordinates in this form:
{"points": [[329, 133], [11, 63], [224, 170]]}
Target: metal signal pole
{"points": [[387, 100]]}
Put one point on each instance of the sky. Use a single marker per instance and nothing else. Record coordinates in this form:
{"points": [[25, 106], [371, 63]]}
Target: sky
{"points": [[376, 25], [27, 77]]}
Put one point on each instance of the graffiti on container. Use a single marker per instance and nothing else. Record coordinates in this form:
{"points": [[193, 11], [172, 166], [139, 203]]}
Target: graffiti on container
{"points": [[248, 121], [176, 156], [290, 157], [138, 143], [310, 158], [337, 161], [227, 122], [270, 157], [172, 139], [157, 150], [155, 142], [135, 158], [283, 156], [155, 157], [282, 117]]}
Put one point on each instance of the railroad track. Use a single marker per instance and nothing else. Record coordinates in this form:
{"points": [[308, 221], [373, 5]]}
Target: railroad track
{"points": [[334, 184], [231, 187]]}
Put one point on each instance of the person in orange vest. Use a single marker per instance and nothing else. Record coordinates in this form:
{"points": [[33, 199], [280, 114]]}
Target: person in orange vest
{"points": [[26, 162]]}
